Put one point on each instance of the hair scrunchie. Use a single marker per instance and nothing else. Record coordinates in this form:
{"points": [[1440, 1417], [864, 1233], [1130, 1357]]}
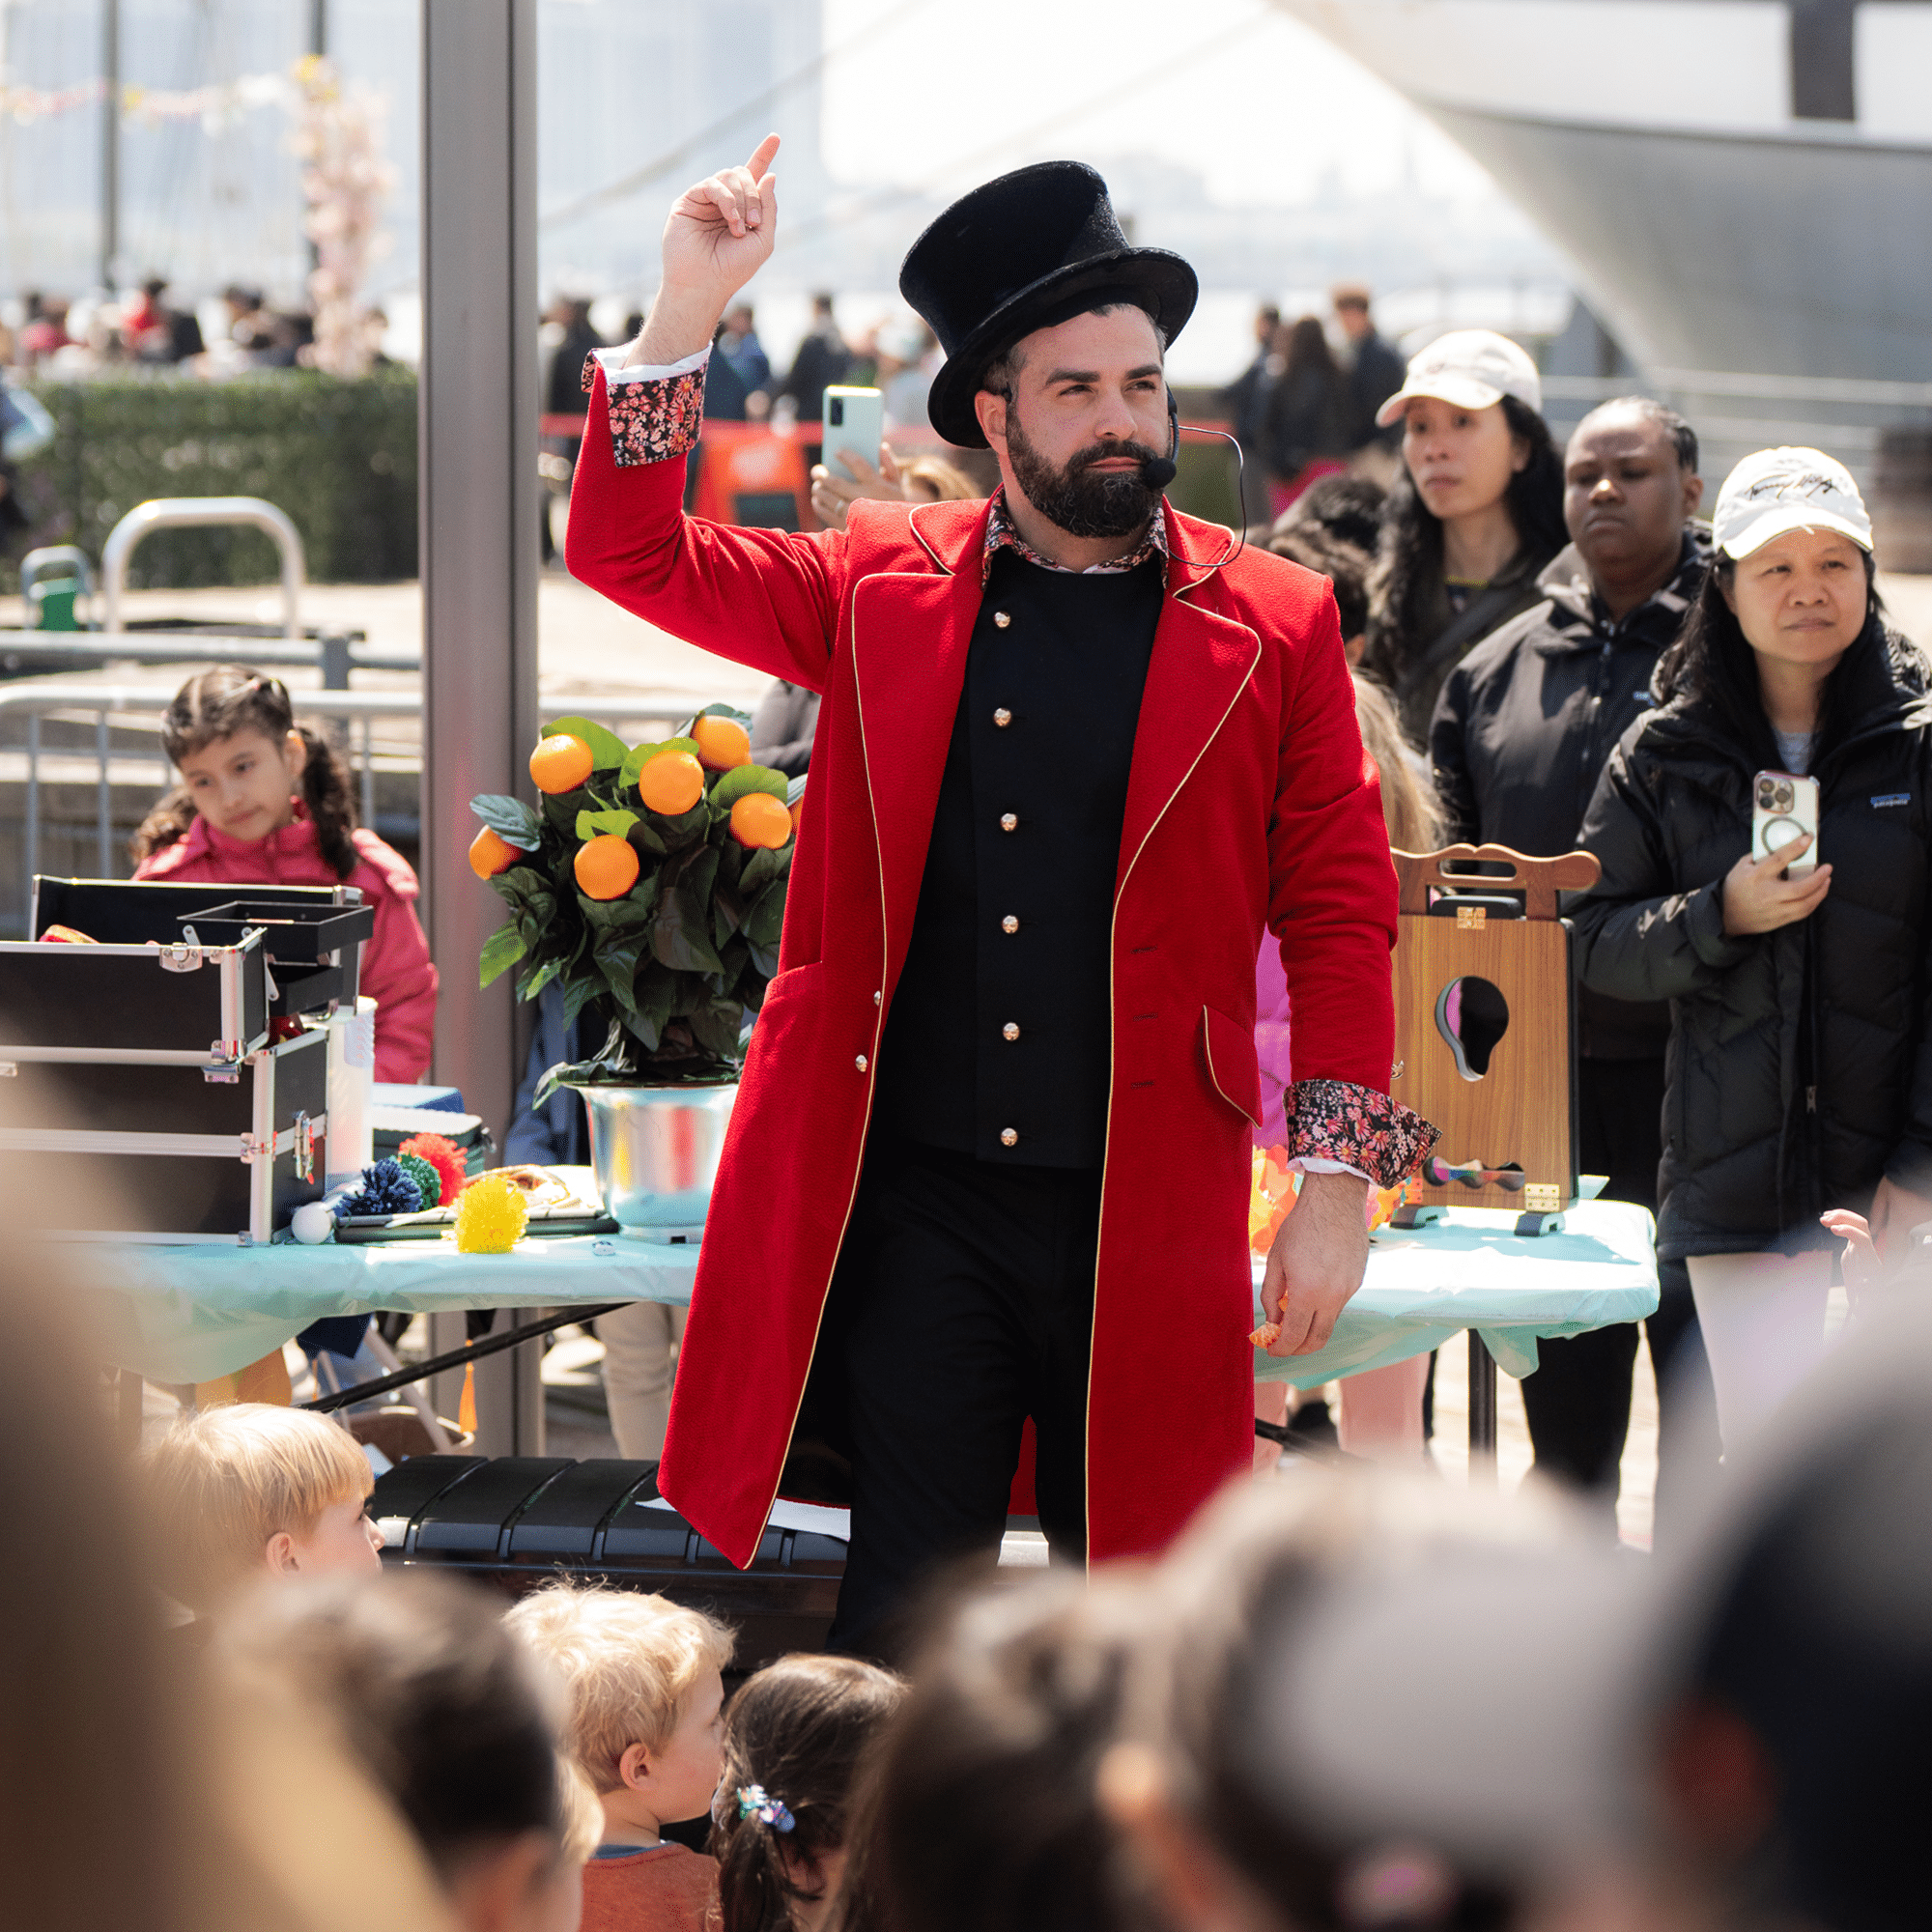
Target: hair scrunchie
{"points": [[753, 1802]]}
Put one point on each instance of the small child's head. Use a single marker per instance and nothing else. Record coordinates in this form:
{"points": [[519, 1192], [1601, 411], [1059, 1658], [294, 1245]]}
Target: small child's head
{"points": [[1409, 807], [795, 1736], [248, 1488], [454, 1721], [644, 1677], [231, 733]]}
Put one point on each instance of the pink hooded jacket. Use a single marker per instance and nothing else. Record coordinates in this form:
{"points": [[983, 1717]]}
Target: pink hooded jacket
{"points": [[396, 969]]}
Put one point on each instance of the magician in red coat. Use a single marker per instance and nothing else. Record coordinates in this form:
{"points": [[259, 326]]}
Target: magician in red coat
{"points": [[989, 1160]]}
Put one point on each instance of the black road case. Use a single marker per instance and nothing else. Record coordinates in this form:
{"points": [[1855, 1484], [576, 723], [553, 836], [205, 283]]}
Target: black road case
{"points": [[517, 1521]]}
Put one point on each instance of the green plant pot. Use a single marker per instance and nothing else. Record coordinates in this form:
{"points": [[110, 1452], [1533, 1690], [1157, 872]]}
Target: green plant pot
{"points": [[655, 1150]]}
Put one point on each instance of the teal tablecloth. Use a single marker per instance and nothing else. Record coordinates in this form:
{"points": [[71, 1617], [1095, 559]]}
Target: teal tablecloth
{"points": [[189, 1314], [1469, 1271]]}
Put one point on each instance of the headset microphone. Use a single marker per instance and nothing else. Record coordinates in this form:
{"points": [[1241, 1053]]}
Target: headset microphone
{"points": [[1162, 469]]}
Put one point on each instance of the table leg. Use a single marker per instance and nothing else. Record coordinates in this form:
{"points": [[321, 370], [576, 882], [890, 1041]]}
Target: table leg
{"points": [[1482, 1413], [509, 1392]]}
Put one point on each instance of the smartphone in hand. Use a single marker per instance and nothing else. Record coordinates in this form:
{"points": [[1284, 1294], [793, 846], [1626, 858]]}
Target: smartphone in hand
{"points": [[1784, 808], [854, 419]]}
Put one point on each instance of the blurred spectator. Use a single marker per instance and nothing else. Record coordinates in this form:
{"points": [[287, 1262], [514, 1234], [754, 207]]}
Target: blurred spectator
{"points": [[450, 1718], [822, 360], [740, 346], [1229, 1821], [920, 479], [725, 395], [1475, 513], [570, 316], [153, 331], [1348, 507], [1373, 367], [1245, 401], [796, 1740], [979, 1812], [1304, 540], [44, 328], [1523, 729], [903, 345], [782, 727], [1304, 429], [1798, 1073]]}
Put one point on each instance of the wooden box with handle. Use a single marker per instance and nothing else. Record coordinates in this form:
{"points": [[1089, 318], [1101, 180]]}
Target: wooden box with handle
{"points": [[1486, 1030]]}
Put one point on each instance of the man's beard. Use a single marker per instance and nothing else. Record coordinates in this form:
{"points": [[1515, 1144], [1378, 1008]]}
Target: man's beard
{"points": [[1115, 503]]}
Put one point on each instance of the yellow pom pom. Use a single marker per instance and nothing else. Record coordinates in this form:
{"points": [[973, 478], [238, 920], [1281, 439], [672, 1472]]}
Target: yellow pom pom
{"points": [[491, 1214]]}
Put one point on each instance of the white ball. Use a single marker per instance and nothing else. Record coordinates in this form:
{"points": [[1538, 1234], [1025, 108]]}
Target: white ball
{"points": [[312, 1223]]}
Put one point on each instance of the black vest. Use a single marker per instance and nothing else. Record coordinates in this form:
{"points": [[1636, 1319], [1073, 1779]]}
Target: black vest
{"points": [[999, 1042]]}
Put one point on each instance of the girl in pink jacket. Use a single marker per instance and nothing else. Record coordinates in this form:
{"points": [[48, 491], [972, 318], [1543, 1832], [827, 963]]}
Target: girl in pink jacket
{"points": [[263, 801]]}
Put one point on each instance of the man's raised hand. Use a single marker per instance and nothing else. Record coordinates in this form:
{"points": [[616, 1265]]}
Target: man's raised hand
{"points": [[718, 235]]}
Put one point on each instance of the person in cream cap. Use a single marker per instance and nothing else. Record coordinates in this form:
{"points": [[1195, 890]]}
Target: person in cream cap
{"points": [[1470, 368], [1780, 490]]}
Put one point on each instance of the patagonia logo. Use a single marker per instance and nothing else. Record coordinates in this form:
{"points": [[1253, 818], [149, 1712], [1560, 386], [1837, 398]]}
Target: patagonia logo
{"points": [[1884, 799]]}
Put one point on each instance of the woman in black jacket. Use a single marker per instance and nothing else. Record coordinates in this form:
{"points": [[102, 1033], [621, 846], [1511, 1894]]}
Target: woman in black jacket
{"points": [[1800, 1069]]}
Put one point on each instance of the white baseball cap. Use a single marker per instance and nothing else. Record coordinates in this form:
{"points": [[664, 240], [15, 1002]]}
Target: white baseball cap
{"points": [[1780, 490], [1470, 368]]}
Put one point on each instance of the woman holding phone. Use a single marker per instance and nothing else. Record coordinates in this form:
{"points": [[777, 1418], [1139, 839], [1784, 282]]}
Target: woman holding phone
{"points": [[1799, 1074]]}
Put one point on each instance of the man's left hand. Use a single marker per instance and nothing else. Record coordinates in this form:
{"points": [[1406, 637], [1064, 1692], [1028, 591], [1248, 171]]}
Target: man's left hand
{"points": [[1316, 1261]]}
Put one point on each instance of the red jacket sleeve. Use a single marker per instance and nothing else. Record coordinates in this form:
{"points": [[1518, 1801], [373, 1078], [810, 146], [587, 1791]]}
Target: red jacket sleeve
{"points": [[764, 598], [1331, 883]]}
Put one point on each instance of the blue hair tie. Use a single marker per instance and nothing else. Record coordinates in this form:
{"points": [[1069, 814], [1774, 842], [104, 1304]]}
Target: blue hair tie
{"points": [[754, 1803]]}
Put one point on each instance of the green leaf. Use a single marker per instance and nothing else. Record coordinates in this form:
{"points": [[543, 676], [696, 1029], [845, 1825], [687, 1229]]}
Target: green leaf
{"points": [[616, 955], [680, 942], [578, 993], [796, 789], [740, 780], [533, 984], [630, 914], [686, 829], [590, 823], [640, 755], [765, 921], [716, 1027], [730, 711], [608, 750], [765, 961], [761, 869], [500, 952], [560, 809], [509, 818]]}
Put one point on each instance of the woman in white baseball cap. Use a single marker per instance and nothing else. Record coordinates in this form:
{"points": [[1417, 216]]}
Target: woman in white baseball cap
{"points": [[1475, 514], [1799, 1067]]}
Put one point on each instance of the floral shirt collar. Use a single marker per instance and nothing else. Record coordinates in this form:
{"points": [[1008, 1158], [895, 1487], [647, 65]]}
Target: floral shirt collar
{"points": [[1003, 533]]}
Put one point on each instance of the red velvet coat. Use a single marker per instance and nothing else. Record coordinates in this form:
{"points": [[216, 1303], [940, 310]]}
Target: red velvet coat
{"points": [[1250, 800]]}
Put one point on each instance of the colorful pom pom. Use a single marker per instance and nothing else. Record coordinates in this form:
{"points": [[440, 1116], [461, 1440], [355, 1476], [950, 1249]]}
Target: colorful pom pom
{"points": [[386, 1189], [446, 1157], [429, 1182], [491, 1216]]}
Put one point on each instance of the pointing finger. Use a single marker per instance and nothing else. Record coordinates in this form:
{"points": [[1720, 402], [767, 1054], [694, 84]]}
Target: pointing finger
{"points": [[762, 157]]}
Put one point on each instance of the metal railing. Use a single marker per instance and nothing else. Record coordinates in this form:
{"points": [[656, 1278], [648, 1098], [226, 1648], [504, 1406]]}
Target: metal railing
{"points": [[140, 707], [333, 654], [172, 513]]}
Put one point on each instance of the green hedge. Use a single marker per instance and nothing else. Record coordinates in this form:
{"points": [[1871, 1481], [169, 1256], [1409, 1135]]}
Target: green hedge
{"points": [[339, 457]]}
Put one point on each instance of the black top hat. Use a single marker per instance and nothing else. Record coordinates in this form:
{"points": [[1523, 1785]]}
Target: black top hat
{"points": [[1028, 252]]}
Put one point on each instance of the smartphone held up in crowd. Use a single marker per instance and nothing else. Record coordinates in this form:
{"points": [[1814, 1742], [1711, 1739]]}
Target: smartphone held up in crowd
{"points": [[1784, 809]]}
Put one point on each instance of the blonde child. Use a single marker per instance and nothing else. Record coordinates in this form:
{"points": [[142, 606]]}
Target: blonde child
{"points": [[265, 803], [795, 1739], [250, 1490], [645, 1680]]}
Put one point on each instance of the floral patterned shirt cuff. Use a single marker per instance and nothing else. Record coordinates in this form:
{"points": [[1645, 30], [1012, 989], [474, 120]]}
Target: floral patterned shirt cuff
{"points": [[1368, 1132], [655, 414]]}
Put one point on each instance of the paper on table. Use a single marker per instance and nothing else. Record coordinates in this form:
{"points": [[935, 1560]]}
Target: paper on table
{"points": [[816, 1519]]}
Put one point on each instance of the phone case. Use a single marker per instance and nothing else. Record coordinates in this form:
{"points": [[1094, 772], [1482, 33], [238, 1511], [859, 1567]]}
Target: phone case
{"points": [[1784, 807], [860, 428]]}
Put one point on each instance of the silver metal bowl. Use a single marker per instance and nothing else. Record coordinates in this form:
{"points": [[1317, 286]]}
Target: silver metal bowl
{"points": [[655, 1150]]}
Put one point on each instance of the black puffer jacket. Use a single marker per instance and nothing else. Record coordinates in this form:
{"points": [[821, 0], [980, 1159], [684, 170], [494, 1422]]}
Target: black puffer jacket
{"points": [[1797, 1069]]}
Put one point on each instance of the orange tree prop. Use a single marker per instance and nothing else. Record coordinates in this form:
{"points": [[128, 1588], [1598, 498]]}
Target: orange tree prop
{"points": [[668, 970]]}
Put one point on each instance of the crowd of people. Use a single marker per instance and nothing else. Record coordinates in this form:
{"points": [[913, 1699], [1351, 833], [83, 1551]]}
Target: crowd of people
{"points": [[1338, 1702]]}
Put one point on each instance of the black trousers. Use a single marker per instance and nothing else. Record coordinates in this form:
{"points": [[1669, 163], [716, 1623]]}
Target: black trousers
{"points": [[963, 1304], [1578, 1400]]}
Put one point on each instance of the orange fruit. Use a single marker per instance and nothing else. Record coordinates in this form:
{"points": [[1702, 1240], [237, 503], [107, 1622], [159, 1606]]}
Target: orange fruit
{"points": [[606, 867], [797, 813], [760, 819], [722, 743], [490, 854], [671, 783], [560, 762]]}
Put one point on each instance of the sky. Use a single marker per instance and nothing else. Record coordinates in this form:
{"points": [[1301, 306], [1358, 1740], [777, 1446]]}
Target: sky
{"points": [[1254, 100]]}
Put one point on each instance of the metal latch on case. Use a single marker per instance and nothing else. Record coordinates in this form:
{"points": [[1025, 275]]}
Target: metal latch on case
{"points": [[254, 1148], [180, 958]]}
